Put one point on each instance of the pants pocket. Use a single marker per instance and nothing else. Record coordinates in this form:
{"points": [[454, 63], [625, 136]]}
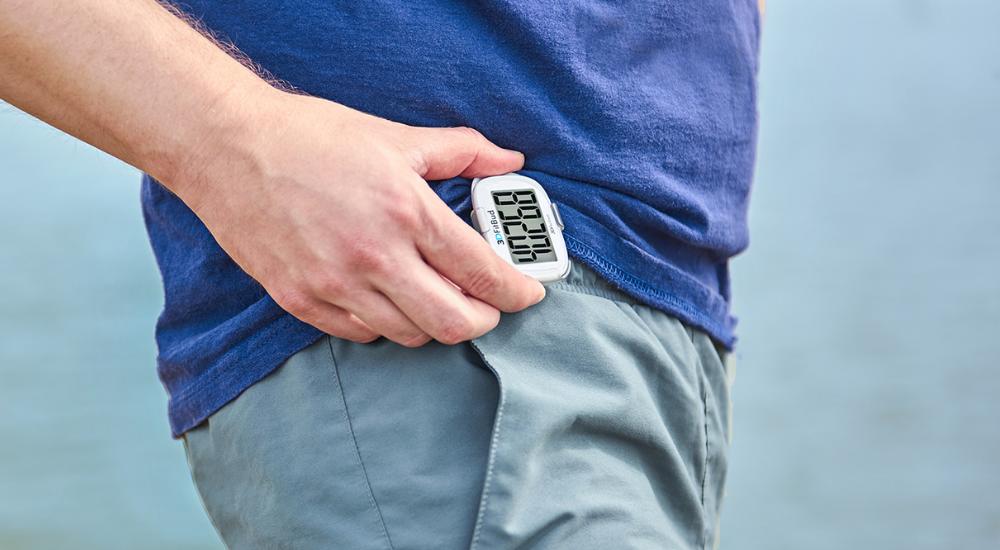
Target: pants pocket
{"points": [[580, 423], [599, 435], [278, 467], [422, 419]]}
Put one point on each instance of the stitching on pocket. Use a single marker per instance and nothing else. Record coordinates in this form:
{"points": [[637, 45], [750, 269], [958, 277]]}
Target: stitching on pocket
{"points": [[593, 291], [494, 443], [633, 316], [357, 451], [687, 341], [705, 463]]}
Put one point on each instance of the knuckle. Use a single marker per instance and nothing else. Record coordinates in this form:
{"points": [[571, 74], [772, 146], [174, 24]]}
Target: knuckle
{"points": [[294, 301], [368, 258], [456, 330], [402, 213], [331, 287], [471, 133], [485, 280]]}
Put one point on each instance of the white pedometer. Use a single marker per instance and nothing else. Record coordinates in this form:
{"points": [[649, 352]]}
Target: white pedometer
{"points": [[514, 214]]}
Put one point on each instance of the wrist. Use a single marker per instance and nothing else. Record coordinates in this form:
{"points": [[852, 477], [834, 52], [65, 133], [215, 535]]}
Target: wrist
{"points": [[223, 137]]}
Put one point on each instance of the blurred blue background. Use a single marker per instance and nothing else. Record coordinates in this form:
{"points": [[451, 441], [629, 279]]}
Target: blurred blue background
{"points": [[868, 387]]}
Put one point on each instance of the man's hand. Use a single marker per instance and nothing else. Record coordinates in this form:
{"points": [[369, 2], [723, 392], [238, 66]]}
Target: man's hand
{"points": [[325, 206], [328, 208]]}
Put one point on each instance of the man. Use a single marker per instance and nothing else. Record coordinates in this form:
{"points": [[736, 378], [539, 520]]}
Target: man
{"points": [[332, 338]]}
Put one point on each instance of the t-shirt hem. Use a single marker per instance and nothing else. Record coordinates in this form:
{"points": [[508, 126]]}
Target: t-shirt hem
{"points": [[255, 358], [657, 284], [642, 291], [250, 362]]}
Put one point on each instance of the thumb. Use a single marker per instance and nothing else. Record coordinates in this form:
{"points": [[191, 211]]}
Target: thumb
{"points": [[444, 153]]}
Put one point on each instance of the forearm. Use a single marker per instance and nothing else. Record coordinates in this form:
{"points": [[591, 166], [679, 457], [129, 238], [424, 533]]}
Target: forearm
{"points": [[126, 76]]}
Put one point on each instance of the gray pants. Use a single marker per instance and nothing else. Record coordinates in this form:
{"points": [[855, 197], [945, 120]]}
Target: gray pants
{"points": [[586, 422]]}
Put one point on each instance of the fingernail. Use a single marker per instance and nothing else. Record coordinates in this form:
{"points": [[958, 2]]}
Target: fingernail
{"points": [[541, 294]]}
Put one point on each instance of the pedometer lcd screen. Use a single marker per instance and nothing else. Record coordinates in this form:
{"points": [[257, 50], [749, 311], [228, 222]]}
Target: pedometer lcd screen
{"points": [[524, 226]]}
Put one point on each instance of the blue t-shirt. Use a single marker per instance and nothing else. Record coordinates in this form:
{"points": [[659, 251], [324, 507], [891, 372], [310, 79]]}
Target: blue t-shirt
{"points": [[638, 117]]}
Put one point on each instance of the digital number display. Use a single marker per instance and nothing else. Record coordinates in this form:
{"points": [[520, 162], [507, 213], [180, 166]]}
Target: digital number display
{"points": [[523, 225]]}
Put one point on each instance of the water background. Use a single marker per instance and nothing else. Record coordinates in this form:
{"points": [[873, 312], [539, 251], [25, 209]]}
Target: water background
{"points": [[868, 387]]}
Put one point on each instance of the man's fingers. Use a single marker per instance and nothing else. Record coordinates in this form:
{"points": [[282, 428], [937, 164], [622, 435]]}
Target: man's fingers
{"points": [[436, 305], [337, 322], [378, 312], [456, 251], [444, 153]]}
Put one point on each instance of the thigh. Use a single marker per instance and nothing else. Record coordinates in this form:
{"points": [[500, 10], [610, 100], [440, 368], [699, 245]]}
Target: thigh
{"points": [[351, 446]]}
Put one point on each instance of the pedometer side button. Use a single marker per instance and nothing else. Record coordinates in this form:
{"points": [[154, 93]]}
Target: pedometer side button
{"points": [[480, 221], [555, 212]]}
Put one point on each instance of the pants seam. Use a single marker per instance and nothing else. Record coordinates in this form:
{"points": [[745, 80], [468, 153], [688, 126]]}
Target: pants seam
{"points": [[491, 461], [357, 449], [201, 498], [705, 463]]}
